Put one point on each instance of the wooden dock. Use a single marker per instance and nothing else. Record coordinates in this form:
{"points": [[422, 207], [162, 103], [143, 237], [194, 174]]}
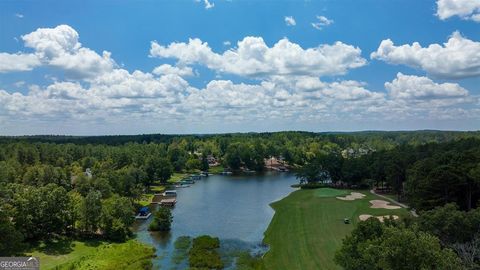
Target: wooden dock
{"points": [[164, 200], [168, 202]]}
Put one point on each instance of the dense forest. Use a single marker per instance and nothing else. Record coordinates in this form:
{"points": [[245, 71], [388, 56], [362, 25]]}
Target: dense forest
{"points": [[56, 186]]}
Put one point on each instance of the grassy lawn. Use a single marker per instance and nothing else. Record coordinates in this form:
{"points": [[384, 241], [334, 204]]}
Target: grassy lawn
{"points": [[216, 169], [145, 199], [330, 192], [176, 177], [308, 228], [94, 255], [157, 189]]}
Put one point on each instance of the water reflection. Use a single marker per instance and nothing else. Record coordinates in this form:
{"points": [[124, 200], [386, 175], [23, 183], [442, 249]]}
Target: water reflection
{"points": [[162, 239]]}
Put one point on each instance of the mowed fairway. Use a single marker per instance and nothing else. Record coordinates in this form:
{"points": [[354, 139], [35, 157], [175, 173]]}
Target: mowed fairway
{"points": [[308, 228]]}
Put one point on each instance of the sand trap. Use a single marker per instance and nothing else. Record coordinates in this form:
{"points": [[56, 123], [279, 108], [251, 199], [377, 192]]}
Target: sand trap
{"points": [[352, 196], [383, 204], [381, 218]]}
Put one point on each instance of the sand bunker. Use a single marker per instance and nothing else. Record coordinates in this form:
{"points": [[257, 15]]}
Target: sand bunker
{"points": [[383, 204], [352, 196], [381, 218]]}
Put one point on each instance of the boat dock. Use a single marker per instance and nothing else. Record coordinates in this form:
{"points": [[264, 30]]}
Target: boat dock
{"points": [[163, 200], [144, 213], [139, 216], [168, 202]]}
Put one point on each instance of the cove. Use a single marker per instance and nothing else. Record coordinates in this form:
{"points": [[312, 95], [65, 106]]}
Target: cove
{"points": [[234, 208]]}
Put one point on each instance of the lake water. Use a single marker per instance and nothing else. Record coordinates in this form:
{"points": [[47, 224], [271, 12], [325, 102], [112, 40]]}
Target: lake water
{"points": [[234, 208]]}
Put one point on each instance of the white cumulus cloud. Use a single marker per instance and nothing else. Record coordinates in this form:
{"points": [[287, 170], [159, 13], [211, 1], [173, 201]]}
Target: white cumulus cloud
{"points": [[17, 62], [415, 87], [465, 9], [458, 58], [59, 47], [169, 69], [253, 58]]}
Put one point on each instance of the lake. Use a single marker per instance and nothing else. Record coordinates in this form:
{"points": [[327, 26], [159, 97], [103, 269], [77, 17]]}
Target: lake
{"points": [[234, 208]]}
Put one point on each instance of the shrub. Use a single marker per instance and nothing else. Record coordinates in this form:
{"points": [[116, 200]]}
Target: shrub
{"points": [[204, 254], [313, 186], [162, 220]]}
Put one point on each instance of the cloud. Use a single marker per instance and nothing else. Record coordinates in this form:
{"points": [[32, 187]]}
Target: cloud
{"points": [[122, 84], [458, 58], [415, 87], [114, 94], [351, 90], [227, 43], [53, 42], [19, 15], [290, 21], [99, 89], [208, 5], [17, 62], [138, 96], [465, 9], [321, 22], [59, 47], [253, 58], [280, 99], [19, 83], [168, 69]]}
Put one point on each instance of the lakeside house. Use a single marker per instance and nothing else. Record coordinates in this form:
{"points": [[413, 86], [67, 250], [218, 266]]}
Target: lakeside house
{"points": [[276, 164], [212, 161]]}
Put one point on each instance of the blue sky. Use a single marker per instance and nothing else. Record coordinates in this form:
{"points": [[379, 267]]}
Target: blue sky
{"points": [[436, 88]]}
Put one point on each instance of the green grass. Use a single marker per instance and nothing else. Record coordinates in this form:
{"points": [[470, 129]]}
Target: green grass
{"points": [[94, 255], [307, 229], [216, 169], [145, 199], [176, 177], [330, 192], [157, 189]]}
